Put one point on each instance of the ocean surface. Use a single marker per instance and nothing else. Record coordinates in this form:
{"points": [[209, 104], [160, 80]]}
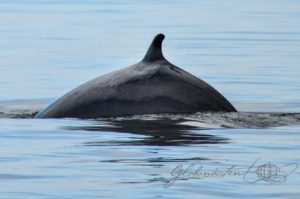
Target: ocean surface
{"points": [[247, 50]]}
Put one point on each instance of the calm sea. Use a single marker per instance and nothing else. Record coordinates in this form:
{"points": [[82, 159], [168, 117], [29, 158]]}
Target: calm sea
{"points": [[248, 50]]}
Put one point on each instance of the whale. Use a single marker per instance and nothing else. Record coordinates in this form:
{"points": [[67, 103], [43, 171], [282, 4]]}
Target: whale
{"points": [[151, 86]]}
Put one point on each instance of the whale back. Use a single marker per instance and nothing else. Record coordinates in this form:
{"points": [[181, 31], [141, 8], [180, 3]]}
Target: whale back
{"points": [[151, 86]]}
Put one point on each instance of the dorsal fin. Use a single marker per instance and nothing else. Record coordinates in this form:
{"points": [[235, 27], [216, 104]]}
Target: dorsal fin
{"points": [[154, 52]]}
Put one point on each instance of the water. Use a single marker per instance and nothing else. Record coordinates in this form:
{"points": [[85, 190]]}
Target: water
{"points": [[249, 51]]}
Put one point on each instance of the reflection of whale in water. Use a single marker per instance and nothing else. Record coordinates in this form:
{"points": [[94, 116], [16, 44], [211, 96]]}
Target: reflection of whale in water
{"points": [[153, 85], [184, 129], [159, 132]]}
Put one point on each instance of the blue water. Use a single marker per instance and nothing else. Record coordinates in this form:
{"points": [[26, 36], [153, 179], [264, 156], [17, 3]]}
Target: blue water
{"points": [[248, 50]]}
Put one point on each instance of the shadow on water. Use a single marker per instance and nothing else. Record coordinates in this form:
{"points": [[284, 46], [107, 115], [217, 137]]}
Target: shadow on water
{"points": [[159, 132]]}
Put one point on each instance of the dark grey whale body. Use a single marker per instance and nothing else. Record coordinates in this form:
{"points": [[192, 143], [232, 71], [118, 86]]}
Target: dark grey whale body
{"points": [[151, 86]]}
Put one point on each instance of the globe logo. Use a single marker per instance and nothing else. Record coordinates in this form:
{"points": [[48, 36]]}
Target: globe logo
{"points": [[270, 173]]}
